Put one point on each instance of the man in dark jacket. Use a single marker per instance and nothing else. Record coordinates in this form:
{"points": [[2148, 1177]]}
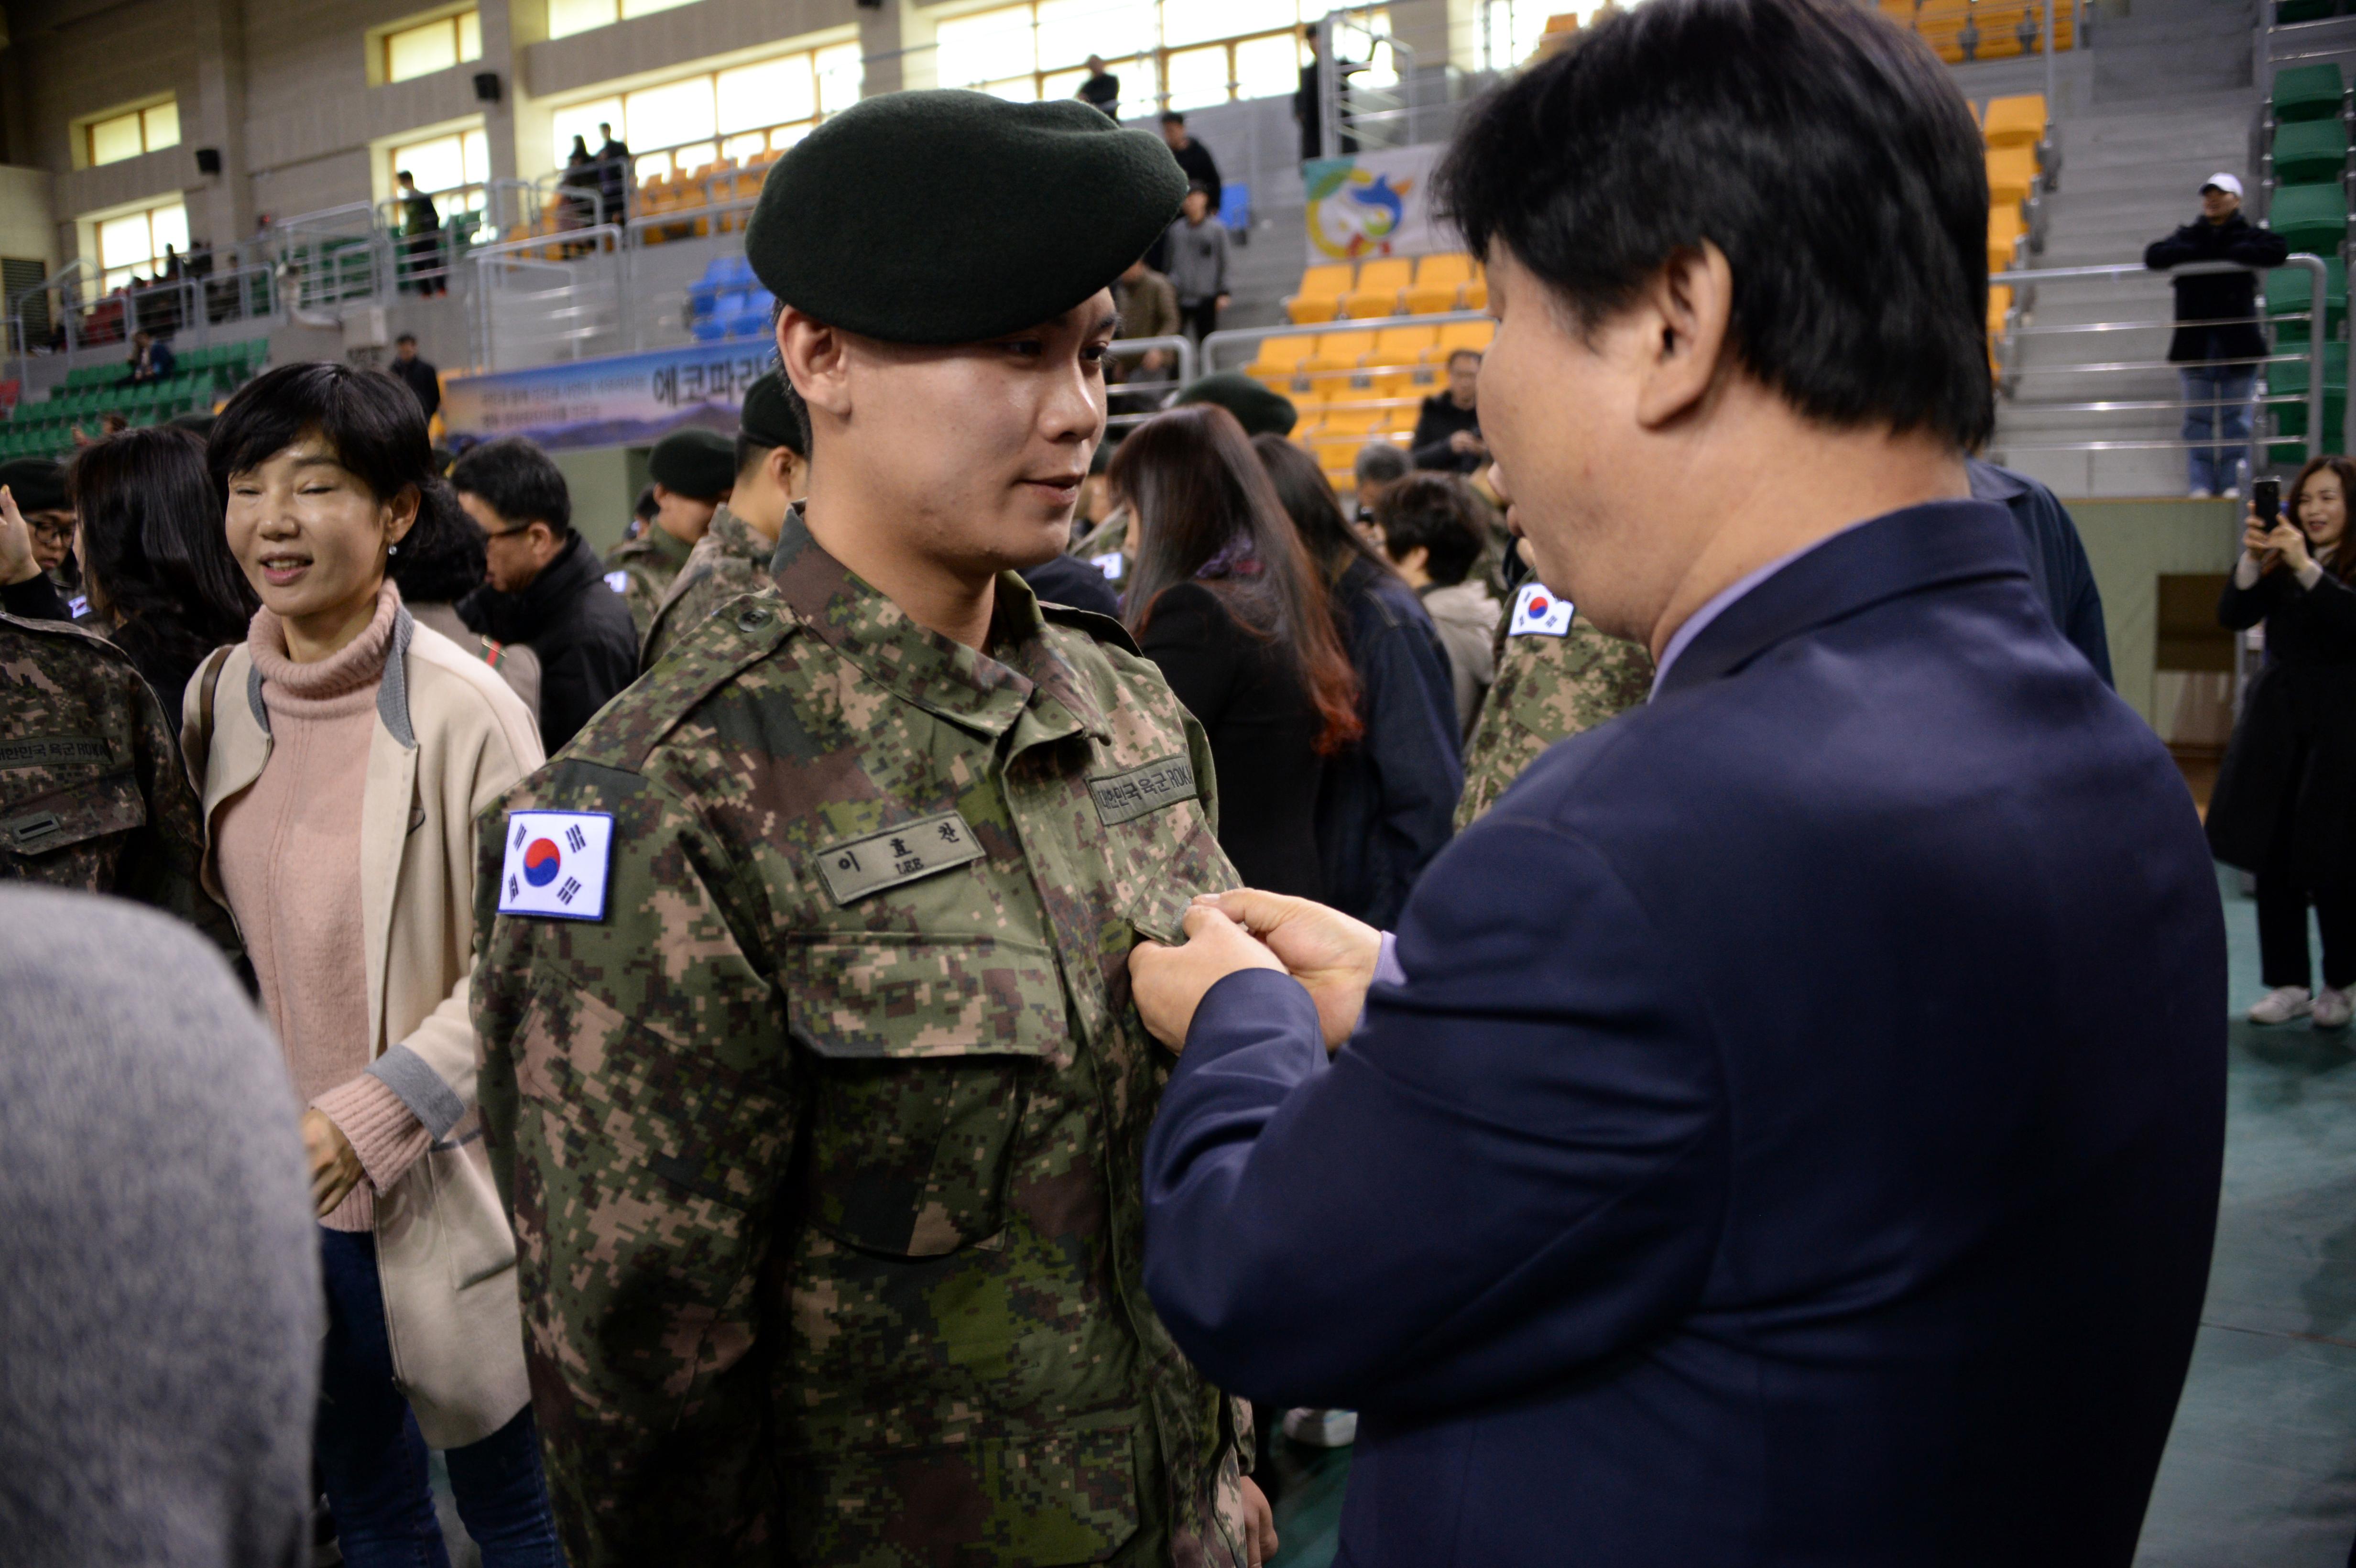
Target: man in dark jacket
{"points": [[2220, 338], [545, 588], [2058, 568], [418, 375], [1448, 429]]}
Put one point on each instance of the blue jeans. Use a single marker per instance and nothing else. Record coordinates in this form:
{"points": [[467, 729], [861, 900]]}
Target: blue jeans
{"points": [[2217, 407], [372, 1457]]}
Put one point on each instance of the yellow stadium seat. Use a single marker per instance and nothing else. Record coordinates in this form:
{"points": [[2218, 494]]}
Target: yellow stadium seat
{"points": [[1397, 382], [1377, 292], [1401, 344], [1284, 352], [2005, 233], [2011, 175], [1999, 307], [2016, 122], [1321, 288], [1456, 334], [1439, 282], [1338, 351]]}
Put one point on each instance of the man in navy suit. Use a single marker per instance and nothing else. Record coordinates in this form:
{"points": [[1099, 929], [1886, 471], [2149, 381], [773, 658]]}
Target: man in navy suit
{"points": [[1787, 1128]]}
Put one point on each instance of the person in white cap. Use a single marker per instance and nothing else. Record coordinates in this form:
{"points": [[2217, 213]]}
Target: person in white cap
{"points": [[2217, 336]]}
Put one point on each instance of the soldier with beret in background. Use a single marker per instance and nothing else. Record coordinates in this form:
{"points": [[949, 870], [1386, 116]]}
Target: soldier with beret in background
{"points": [[733, 557], [693, 470], [38, 485], [811, 1071]]}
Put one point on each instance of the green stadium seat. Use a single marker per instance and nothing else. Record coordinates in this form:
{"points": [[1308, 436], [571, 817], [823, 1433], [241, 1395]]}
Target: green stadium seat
{"points": [[2289, 380], [2307, 92], [2312, 218], [2308, 152]]}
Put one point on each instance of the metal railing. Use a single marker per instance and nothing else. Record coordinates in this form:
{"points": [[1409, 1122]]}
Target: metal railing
{"points": [[2021, 328], [1134, 400], [539, 300], [2275, 44], [85, 323], [1352, 116]]}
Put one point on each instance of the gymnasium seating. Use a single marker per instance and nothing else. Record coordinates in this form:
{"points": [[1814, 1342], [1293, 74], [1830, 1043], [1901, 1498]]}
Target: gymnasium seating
{"points": [[1353, 387], [1962, 30], [200, 378], [2291, 310], [728, 301], [1387, 285]]}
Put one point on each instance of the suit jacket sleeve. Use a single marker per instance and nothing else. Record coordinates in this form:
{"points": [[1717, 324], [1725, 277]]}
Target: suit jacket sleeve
{"points": [[1413, 742], [1514, 1170]]}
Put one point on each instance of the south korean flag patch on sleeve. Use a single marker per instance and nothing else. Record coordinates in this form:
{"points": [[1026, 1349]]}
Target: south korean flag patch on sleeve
{"points": [[556, 864], [1539, 612]]}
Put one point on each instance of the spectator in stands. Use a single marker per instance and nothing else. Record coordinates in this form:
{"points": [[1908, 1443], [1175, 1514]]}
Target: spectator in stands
{"points": [[421, 245], [151, 360], [1387, 803], [350, 751], [543, 587], [441, 560], [1228, 603], [160, 1333], [2219, 340], [1148, 308], [577, 193], [1305, 112], [418, 375], [1431, 529], [1201, 168], [1378, 465], [694, 471], [1448, 429], [614, 180], [2284, 804], [1199, 264], [160, 578], [1101, 88]]}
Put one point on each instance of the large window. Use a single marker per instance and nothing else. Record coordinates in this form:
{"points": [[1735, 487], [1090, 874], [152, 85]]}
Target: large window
{"points": [[126, 135], [433, 46], [746, 112], [453, 169], [568, 17], [1178, 54], [131, 244]]}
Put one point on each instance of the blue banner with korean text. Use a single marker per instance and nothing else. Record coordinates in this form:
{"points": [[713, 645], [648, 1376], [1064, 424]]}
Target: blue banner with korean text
{"points": [[628, 399]]}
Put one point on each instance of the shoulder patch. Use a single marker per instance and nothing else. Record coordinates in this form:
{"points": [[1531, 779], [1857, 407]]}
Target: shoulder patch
{"points": [[556, 864], [1539, 612], [1102, 628]]}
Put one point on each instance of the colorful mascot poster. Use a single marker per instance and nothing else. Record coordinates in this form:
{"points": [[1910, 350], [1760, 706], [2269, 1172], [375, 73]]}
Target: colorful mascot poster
{"points": [[1372, 204]]}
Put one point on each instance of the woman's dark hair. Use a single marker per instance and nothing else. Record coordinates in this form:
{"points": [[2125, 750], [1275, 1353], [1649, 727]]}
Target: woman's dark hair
{"points": [[1826, 152], [1207, 513], [441, 558], [1435, 511], [2343, 555], [1315, 510], [372, 421], [153, 548]]}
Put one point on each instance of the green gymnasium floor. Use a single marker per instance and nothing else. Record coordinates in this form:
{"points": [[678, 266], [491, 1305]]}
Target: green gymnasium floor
{"points": [[2261, 1469]]}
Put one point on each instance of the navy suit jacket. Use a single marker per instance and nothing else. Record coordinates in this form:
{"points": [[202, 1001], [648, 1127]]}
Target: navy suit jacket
{"points": [[1796, 1138]]}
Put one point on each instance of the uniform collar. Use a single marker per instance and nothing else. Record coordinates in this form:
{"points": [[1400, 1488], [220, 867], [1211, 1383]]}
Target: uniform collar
{"points": [[659, 542], [1028, 682], [733, 536]]}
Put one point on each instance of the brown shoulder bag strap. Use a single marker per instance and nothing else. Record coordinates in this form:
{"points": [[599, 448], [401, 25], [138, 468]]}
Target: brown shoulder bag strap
{"points": [[197, 742]]}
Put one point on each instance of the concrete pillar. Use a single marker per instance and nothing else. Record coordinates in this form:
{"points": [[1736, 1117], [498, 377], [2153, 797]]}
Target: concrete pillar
{"points": [[220, 207]]}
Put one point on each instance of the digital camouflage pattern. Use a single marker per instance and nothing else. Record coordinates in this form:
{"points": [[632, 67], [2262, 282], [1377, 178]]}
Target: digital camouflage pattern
{"points": [[93, 792], [647, 564], [728, 561], [825, 1145], [1548, 689]]}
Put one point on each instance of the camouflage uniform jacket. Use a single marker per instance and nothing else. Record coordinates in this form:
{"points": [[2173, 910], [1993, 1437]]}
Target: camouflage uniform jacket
{"points": [[824, 1144], [1548, 689], [646, 565], [729, 560], [93, 792]]}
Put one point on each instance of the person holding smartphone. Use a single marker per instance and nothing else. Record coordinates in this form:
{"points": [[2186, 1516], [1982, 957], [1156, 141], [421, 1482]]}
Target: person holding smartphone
{"points": [[2284, 804]]}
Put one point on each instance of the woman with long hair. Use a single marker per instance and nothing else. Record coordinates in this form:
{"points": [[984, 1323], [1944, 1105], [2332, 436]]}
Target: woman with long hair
{"points": [[1224, 599], [1388, 804], [2284, 804], [161, 580], [345, 753]]}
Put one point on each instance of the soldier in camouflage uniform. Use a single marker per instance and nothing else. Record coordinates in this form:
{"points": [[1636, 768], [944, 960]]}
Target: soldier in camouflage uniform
{"points": [[810, 1066], [1550, 687], [692, 470], [732, 558]]}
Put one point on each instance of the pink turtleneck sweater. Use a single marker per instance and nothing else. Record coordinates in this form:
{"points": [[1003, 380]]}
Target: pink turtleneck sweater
{"points": [[289, 856]]}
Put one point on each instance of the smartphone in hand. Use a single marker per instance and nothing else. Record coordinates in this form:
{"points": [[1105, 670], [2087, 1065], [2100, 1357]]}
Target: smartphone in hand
{"points": [[2265, 499]]}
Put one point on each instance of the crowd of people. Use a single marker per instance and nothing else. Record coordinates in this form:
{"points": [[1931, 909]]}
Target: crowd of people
{"points": [[967, 973]]}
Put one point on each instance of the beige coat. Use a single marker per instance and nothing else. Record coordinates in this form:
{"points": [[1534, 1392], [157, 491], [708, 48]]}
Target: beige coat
{"points": [[450, 738]]}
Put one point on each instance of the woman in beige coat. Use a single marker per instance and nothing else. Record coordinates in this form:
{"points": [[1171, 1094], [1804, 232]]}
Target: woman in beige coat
{"points": [[343, 751]]}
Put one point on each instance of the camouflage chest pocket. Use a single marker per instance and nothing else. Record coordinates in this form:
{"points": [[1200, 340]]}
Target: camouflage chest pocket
{"points": [[929, 1049], [44, 823]]}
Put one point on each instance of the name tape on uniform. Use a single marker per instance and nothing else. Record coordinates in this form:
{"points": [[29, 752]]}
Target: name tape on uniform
{"points": [[42, 749], [556, 863], [1539, 612], [1123, 798], [858, 867]]}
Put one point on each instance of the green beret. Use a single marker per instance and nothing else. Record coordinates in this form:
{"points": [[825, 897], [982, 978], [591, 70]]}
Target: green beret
{"points": [[697, 463], [771, 417], [1259, 410], [949, 217], [38, 483]]}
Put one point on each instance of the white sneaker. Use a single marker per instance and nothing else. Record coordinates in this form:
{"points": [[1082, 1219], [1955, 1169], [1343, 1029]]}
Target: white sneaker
{"points": [[1321, 1428], [2332, 1008], [2232, 492], [2285, 1003], [2198, 494]]}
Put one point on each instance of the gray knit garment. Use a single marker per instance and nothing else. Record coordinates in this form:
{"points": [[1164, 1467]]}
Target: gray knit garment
{"points": [[160, 1313]]}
